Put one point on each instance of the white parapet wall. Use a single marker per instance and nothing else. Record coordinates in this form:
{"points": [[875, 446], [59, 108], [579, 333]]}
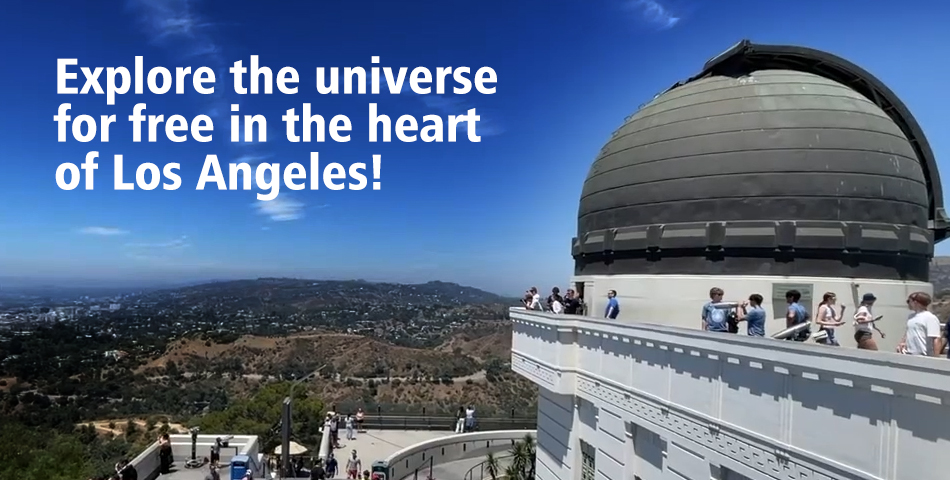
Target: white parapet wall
{"points": [[677, 300], [147, 463], [325, 444], [661, 402], [451, 448]]}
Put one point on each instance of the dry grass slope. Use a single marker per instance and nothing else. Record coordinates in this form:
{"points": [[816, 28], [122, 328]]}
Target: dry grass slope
{"points": [[362, 362]]}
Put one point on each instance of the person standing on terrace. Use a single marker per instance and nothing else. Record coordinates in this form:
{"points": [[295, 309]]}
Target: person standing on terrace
{"points": [[753, 314], [350, 435], [923, 328], [572, 303], [554, 297], [535, 302], [864, 322], [353, 466], [359, 420], [714, 318], [613, 305], [827, 319], [796, 314]]}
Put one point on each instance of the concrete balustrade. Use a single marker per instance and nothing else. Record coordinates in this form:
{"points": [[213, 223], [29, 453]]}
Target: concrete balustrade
{"points": [[325, 444], [651, 400], [452, 448], [146, 463]]}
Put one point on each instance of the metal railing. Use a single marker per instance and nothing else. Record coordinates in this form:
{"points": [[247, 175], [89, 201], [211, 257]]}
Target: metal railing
{"points": [[417, 461], [443, 421], [501, 461]]}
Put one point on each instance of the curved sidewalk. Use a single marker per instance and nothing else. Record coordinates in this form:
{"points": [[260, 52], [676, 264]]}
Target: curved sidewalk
{"points": [[374, 445]]}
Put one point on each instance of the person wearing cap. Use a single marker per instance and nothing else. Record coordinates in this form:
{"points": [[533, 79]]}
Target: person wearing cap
{"points": [[864, 322]]}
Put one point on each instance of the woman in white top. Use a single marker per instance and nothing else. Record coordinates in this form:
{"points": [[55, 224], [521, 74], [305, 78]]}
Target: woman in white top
{"points": [[557, 306], [827, 319], [532, 300], [864, 322]]}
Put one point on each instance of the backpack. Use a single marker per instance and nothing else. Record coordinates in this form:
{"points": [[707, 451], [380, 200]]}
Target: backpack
{"points": [[732, 319], [804, 317]]}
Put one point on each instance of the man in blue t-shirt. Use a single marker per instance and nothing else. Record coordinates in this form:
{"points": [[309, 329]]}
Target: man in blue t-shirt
{"points": [[796, 314], [613, 306], [715, 318], [753, 314]]}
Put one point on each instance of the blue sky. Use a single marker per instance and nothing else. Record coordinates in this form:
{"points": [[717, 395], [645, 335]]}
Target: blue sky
{"points": [[498, 214]]}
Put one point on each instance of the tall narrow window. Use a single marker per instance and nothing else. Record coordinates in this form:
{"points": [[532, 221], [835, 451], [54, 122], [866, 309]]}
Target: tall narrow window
{"points": [[588, 461]]}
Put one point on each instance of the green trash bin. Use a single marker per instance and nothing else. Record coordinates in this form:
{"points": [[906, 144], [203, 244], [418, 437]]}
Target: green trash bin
{"points": [[380, 470]]}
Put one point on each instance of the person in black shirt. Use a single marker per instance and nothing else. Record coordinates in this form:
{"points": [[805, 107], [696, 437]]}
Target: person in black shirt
{"points": [[216, 451], [317, 472], [332, 466], [126, 470], [572, 303]]}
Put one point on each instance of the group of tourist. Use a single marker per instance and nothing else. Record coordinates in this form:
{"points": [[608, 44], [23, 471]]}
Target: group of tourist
{"points": [[465, 420], [352, 423], [324, 470], [922, 334], [571, 303]]}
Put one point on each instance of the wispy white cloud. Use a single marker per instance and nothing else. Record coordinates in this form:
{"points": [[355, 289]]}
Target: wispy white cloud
{"points": [[180, 242], [178, 26], [456, 105], [251, 159], [103, 231], [281, 209], [655, 13], [165, 253]]}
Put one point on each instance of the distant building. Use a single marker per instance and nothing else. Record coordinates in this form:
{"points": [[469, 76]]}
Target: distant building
{"points": [[116, 354]]}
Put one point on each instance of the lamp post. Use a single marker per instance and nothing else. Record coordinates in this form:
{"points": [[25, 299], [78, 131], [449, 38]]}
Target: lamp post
{"points": [[286, 414]]}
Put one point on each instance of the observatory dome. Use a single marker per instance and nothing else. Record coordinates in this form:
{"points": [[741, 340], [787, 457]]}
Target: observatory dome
{"points": [[773, 160]]}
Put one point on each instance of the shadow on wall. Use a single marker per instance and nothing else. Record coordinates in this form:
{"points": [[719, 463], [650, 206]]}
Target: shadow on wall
{"points": [[851, 396], [555, 422]]}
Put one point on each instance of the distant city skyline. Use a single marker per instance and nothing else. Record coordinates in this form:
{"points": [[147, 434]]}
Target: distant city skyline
{"points": [[497, 215]]}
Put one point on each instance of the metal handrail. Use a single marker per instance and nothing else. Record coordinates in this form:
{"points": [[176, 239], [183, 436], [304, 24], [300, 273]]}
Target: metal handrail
{"points": [[409, 422], [469, 474]]}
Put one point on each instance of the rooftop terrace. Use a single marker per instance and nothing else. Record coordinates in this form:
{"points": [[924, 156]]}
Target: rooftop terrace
{"points": [[371, 446]]}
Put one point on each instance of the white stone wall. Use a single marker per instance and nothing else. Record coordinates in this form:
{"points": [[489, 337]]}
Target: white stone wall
{"points": [[677, 300], [662, 403]]}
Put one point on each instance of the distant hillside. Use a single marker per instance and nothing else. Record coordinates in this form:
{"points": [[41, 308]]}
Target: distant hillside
{"points": [[471, 366], [940, 274], [303, 294]]}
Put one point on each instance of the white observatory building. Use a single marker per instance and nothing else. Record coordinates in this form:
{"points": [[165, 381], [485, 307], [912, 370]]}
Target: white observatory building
{"points": [[775, 168]]}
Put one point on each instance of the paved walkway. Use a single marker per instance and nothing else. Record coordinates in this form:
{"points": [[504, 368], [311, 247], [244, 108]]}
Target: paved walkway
{"points": [[376, 445], [456, 470]]}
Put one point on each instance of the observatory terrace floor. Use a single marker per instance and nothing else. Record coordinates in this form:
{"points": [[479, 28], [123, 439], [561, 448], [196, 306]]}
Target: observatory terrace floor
{"points": [[374, 445], [371, 446]]}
